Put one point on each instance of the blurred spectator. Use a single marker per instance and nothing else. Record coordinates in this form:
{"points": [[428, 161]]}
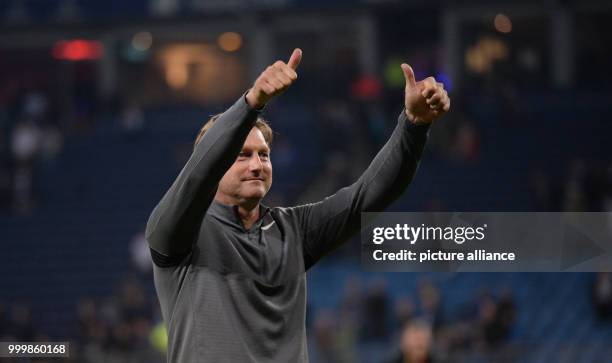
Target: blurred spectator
{"points": [[431, 308], [404, 311], [21, 326], [347, 337], [51, 144], [140, 253], [351, 302], [35, 106], [496, 319], [467, 142], [132, 301], [348, 324], [375, 329], [602, 295], [416, 343], [375, 312], [324, 333], [132, 120], [26, 142], [506, 310]]}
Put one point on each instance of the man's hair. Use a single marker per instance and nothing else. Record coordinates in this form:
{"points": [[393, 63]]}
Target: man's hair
{"points": [[260, 123]]}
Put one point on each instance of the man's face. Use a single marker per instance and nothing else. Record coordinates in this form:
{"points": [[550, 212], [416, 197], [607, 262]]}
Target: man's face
{"points": [[250, 177], [416, 343]]}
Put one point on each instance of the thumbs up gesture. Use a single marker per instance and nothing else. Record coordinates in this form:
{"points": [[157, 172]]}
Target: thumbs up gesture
{"points": [[425, 100], [274, 80]]}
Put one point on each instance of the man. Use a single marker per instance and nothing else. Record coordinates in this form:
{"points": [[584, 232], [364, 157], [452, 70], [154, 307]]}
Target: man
{"points": [[229, 271], [416, 343]]}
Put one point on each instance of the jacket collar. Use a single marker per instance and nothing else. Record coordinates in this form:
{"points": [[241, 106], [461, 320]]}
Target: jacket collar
{"points": [[229, 213]]}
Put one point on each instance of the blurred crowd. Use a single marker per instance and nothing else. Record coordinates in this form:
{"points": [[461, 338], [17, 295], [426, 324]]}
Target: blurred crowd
{"points": [[124, 327], [585, 187], [30, 139], [368, 325], [33, 135]]}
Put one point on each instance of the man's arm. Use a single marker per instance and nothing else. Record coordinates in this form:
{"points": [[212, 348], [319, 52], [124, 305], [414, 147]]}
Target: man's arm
{"points": [[174, 225], [329, 223], [175, 222]]}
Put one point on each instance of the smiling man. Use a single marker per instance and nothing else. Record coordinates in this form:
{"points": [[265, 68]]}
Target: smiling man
{"points": [[229, 271]]}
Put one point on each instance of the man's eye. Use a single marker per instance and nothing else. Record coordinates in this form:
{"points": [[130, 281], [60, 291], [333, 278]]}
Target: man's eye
{"points": [[264, 155]]}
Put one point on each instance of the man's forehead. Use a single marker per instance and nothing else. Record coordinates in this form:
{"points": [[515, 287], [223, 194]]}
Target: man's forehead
{"points": [[255, 140]]}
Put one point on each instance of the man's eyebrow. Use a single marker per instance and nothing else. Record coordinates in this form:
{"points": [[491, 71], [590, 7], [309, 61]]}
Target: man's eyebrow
{"points": [[248, 147]]}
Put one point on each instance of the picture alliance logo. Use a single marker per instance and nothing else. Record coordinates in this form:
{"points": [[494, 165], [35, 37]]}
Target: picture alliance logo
{"points": [[412, 234]]}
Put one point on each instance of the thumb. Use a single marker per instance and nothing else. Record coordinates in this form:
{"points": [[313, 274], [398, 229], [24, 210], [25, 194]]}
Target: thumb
{"points": [[295, 59], [409, 75]]}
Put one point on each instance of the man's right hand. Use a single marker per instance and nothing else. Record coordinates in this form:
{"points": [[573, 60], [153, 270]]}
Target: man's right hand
{"points": [[274, 80]]}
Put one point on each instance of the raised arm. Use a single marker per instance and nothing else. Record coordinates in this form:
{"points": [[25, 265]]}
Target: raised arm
{"points": [[330, 222], [174, 225]]}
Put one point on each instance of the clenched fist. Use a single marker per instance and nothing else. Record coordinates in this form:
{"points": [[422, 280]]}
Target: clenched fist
{"points": [[274, 80], [425, 100]]}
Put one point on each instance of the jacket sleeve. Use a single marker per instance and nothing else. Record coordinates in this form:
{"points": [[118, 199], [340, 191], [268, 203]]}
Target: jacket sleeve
{"points": [[329, 223], [174, 224]]}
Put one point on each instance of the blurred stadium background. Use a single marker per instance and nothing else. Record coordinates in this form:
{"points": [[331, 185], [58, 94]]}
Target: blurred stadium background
{"points": [[100, 102]]}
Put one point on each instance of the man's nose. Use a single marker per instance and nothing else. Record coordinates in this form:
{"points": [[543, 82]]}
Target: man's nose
{"points": [[255, 163]]}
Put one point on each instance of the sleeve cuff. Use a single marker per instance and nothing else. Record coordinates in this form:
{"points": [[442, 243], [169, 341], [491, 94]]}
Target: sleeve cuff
{"points": [[424, 127], [247, 103]]}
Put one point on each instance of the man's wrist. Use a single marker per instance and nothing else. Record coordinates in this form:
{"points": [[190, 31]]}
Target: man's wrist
{"points": [[249, 99], [410, 118], [412, 122]]}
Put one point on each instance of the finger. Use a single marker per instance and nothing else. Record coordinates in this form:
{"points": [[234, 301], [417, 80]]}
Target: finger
{"points": [[267, 87], [296, 58], [278, 85], [437, 107], [409, 76], [284, 73], [446, 105], [430, 83], [270, 77], [273, 84], [283, 78], [440, 85], [428, 91], [289, 72], [434, 100], [441, 106]]}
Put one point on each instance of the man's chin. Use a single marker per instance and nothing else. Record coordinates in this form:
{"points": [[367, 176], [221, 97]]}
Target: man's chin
{"points": [[254, 193]]}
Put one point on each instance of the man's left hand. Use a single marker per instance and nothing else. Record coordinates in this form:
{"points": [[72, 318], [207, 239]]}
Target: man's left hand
{"points": [[425, 100]]}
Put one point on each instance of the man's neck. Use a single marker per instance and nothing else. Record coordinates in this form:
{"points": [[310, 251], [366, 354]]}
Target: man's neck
{"points": [[248, 211], [248, 216], [409, 359]]}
